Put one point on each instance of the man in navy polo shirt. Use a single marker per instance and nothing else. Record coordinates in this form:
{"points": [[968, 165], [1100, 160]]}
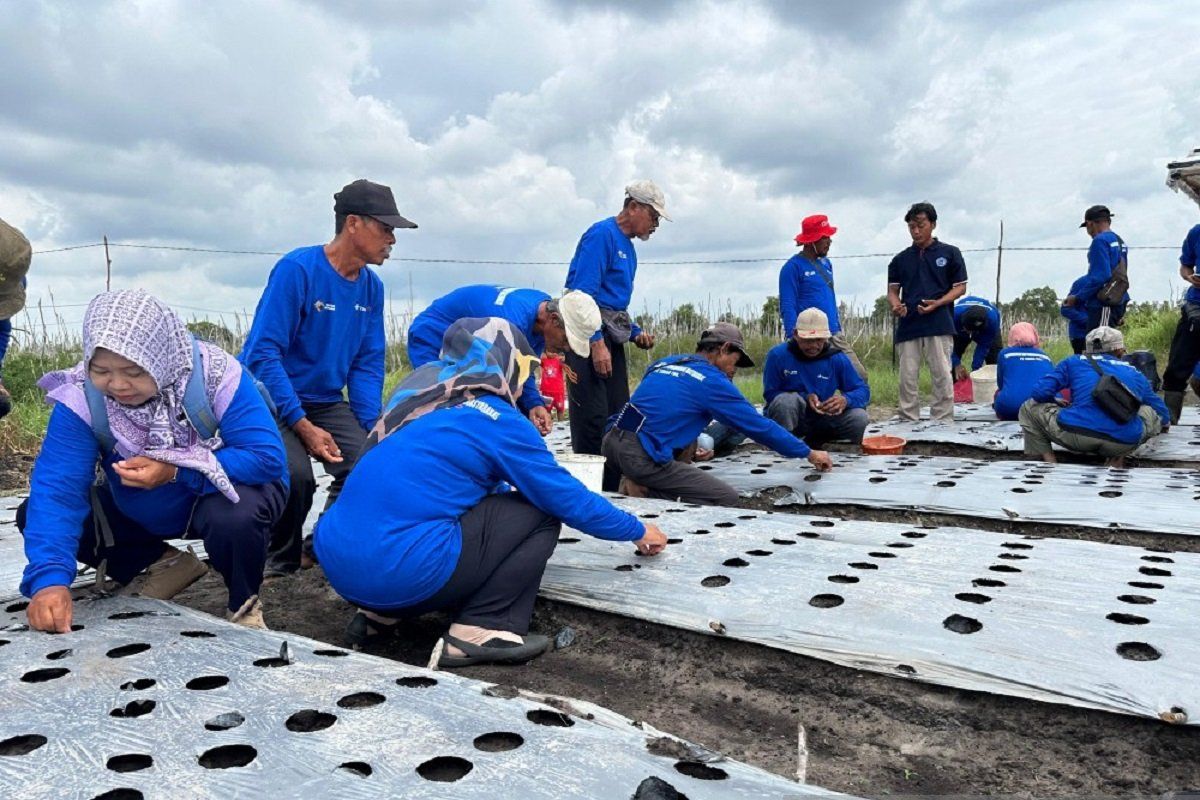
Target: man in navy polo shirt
{"points": [[806, 281], [1185, 344], [604, 266], [318, 331], [923, 283], [975, 320]]}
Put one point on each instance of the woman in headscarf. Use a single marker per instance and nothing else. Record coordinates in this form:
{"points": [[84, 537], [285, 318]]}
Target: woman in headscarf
{"points": [[161, 480], [1018, 367], [420, 525]]}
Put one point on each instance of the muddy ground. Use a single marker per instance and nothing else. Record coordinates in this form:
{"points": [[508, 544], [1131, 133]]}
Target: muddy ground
{"points": [[868, 734]]}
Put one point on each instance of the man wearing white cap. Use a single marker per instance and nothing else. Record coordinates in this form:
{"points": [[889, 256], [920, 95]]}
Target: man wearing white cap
{"points": [[812, 390], [548, 324], [1113, 410], [604, 267]]}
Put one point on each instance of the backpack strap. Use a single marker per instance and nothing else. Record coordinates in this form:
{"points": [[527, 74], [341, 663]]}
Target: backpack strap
{"points": [[99, 412], [819, 268], [196, 404]]}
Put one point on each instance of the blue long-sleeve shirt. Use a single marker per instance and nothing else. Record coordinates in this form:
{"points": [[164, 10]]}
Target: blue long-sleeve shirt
{"points": [[1105, 251], [59, 502], [1083, 415], [393, 537], [802, 284], [679, 395], [518, 306], [983, 338], [1018, 369], [1076, 315], [315, 333], [604, 266], [788, 370], [1188, 254]]}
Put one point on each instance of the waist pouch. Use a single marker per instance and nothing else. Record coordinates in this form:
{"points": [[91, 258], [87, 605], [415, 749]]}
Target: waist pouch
{"points": [[617, 325], [1113, 397]]}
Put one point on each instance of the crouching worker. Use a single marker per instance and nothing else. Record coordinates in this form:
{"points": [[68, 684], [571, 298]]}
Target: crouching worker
{"points": [[676, 399], [1113, 410], [418, 528], [1020, 366], [813, 391], [188, 449]]}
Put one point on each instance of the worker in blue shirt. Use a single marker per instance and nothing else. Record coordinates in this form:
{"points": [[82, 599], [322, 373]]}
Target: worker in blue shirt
{"points": [[1083, 426], [318, 332], [419, 526], [923, 282], [676, 399], [1185, 343], [1076, 317], [1018, 369], [125, 407], [604, 267], [813, 391], [15, 256], [547, 323], [806, 281], [1104, 253], [975, 320]]}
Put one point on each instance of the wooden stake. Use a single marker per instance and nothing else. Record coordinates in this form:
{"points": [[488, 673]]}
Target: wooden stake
{"points": [[107, 266], [999, 256], [801, 756]]}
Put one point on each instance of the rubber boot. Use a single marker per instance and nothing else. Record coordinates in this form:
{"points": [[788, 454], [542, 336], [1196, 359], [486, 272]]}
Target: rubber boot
{"points": [[1174, 403]]}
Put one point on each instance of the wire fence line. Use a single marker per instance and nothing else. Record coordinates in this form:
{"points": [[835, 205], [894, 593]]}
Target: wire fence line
{"points": [[491, 261]]}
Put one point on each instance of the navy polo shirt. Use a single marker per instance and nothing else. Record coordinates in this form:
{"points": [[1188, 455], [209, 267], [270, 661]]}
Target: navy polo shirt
{"points": [[926, 275], [1187, 257]]}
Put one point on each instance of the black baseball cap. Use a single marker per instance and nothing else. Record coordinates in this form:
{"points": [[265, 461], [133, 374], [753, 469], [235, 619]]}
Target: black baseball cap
{"points": [[728, 333], [366, 199], [974, 318], [1095, 214]]}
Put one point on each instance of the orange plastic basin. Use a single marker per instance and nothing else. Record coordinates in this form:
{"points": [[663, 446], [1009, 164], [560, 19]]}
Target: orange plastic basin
{"points": [[883, 445]]}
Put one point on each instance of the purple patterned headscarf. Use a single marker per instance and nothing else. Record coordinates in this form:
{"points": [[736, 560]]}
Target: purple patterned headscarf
{"points": [[140, 327]]}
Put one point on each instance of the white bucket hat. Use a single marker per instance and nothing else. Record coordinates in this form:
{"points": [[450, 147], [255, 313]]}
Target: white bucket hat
{"points": [[581, 318]]}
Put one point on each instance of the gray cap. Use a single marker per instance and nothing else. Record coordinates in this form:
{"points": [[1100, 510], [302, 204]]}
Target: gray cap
{"points": [[648, 193], [727, 333], [1105, 340]]}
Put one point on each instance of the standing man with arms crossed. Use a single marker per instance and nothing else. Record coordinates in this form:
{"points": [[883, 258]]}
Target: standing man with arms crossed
{"points": [[604, 266], [318, 329], [806, 281], [923, 283]]}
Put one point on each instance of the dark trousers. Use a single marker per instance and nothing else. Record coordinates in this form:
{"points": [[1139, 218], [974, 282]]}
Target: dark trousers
{"points": [[506, 542], [234, 534], [1185, 352], [962, 341], [339, 420], [1078, 345], [593, 401], [791, 411], [674, 480]]}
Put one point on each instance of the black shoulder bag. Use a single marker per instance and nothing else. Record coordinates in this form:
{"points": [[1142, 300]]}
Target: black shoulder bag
{"points": [[1113, 396]]}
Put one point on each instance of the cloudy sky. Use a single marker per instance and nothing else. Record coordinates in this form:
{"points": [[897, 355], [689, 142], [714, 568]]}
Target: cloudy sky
{"points": [[506, 128]]}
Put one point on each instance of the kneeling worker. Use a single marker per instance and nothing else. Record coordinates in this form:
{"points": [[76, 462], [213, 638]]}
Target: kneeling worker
{"points": [[801, 384], [1093, 423], [676, 399]]}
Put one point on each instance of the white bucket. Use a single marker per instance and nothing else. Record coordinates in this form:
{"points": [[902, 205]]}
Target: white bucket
{"points": [[589, 469], [983, 384]]}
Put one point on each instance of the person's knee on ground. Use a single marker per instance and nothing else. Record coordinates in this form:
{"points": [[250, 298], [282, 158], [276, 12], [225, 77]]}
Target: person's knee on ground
{"points": [[1037, 440], [236, 536]]}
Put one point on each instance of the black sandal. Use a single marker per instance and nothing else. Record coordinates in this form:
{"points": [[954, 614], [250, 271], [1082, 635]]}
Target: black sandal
{"points": [[363, 631], [494, 651]]}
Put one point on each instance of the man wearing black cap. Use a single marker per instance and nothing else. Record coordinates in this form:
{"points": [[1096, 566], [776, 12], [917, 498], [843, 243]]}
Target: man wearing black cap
{"points": [[1107, 254], [975, 320], [676, 399], [318, 330]]}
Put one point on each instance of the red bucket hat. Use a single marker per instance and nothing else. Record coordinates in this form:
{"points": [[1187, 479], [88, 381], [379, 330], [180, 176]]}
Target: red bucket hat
{"points": [[813, 228]]}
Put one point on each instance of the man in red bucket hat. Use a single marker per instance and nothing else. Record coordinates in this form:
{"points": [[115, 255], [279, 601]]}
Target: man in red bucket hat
{"points": [[806, 281]]}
